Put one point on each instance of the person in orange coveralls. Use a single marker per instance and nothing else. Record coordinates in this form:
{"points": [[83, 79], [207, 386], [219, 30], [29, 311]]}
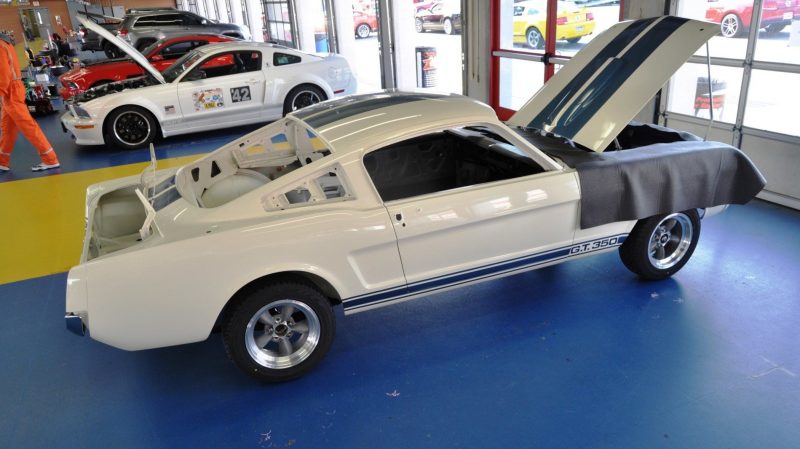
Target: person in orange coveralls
{"points": [[15, 116]]}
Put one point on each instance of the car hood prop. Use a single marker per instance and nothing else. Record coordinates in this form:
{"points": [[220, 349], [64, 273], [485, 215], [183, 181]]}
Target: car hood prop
{"points": [[599, 91]]}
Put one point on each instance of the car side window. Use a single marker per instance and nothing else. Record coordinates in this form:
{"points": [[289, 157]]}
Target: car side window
{"points": [[228, 63], [179, 49], [446, 160], [279, 59], [191, 20], [159, 20]]}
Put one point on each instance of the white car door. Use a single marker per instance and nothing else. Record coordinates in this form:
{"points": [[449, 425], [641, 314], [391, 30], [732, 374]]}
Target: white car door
{"points": [[224, 89], [466, 210]]}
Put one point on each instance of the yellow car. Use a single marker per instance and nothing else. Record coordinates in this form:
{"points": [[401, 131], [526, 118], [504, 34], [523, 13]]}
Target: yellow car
{"points": [[572, 23]]}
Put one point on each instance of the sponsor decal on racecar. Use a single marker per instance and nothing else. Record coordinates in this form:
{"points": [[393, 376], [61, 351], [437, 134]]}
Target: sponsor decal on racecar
{"points": [[239, 94], [594, 245], [208, 99]]}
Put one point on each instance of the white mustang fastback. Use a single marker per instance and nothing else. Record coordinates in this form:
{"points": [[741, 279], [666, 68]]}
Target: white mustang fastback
{"points": [[368, 200]]}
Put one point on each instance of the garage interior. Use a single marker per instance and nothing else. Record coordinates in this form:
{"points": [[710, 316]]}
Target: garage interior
{"points": [[582, 354]]}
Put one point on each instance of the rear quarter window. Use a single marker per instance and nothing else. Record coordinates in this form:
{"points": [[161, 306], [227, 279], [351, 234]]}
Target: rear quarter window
{"points": [[279, 59]]}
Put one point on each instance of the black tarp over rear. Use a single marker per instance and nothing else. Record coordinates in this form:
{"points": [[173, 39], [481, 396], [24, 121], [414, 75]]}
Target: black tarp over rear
{"points": [[658, 171]]}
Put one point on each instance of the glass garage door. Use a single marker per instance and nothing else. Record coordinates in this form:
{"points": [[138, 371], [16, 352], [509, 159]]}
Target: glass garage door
{"points": [[751, 92]]}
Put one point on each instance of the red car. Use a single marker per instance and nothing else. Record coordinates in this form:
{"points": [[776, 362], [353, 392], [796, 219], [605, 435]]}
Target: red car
{"points": [[364, 23], [161, 55], [735, 16]]}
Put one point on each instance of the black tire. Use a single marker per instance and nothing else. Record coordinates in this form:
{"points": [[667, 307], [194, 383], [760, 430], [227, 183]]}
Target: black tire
{"points": [[261, 333], [418, 25], [731, 25], [534, 38], [130, 127], [659, 246], [302, 96], [363, 31], [574, 40], [111, 51], [775, 28]]}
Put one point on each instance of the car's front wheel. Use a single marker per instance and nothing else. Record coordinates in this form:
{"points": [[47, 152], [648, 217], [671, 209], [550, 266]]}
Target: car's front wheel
{"points": [[534, 38], [280, 331], [363, 31], [418, 25], [731, 25], [130, 127], [659, 246], [301, 97]]}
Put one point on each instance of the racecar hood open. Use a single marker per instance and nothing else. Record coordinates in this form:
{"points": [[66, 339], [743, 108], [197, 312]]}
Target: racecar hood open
{"points": [[124, 46], [594, 96]]}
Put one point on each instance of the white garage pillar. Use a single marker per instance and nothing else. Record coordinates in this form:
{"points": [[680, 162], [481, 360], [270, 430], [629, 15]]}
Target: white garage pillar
{"points": [[223, 11], [307, 17], [255, 11], [236, 12]]}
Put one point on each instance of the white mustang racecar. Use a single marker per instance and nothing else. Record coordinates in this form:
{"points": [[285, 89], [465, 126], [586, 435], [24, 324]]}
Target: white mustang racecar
{"points": [[212, 87], [370, 200]]}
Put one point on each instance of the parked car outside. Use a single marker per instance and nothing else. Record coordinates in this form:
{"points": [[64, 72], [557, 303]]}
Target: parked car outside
{"points": [[161, 55], [736, 16], [212, 87], [364, 24], [371, 200], [530, 22], [442, 16], [143, 29]]}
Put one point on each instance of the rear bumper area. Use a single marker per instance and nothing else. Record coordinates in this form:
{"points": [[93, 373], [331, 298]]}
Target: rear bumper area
{"points": [[75, 324]]}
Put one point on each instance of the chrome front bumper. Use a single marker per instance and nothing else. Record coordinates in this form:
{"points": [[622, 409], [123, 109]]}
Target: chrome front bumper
{"points": [[75, 324]]}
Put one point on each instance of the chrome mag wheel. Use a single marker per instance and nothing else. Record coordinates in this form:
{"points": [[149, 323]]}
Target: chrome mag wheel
{"points": [[670, 241], [282, 334]]}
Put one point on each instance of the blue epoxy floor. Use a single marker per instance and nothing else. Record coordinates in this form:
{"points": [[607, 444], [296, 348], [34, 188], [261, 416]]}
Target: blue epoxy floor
{"points": [[582, 355], [578, 355]]}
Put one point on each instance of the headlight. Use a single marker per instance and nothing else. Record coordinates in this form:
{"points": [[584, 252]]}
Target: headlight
{"points": [[79, 112]]}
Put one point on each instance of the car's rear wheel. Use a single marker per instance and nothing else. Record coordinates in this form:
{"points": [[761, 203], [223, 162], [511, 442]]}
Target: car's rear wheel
{"points": [[659, 246], [448, 26], [775, 28], [302, 96], [731, 25], [130, 127], [418, 25], [363, 31], [573, 40], [534, 38], [111, 50], [280, 331]]}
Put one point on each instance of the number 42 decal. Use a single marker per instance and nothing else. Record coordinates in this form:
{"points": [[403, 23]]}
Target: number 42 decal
{"points": [[239, 94]]}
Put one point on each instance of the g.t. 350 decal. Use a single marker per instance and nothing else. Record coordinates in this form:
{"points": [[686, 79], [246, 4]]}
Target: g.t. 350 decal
{"points": [[596, 244]]}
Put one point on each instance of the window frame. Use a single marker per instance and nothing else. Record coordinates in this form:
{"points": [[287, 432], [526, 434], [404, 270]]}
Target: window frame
{"points": [[547, 56]]}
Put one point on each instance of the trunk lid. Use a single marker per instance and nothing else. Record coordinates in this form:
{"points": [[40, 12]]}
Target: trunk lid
{"points": [[598, 92]]}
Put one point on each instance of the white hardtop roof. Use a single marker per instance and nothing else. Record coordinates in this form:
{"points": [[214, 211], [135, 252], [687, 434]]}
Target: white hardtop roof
{"points": [[243, 45], [359, 121]]}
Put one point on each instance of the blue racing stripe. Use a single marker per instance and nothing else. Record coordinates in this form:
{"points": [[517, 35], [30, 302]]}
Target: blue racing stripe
{"points": [[605, 85], [450, 280], [548, 114]]}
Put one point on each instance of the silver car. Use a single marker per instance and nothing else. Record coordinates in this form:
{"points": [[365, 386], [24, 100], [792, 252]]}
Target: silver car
{"points": [[144, 28]]}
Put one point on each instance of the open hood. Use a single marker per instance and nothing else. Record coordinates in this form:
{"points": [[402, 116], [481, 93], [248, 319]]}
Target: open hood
{"points": [[593, 97], [122, 45]]}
